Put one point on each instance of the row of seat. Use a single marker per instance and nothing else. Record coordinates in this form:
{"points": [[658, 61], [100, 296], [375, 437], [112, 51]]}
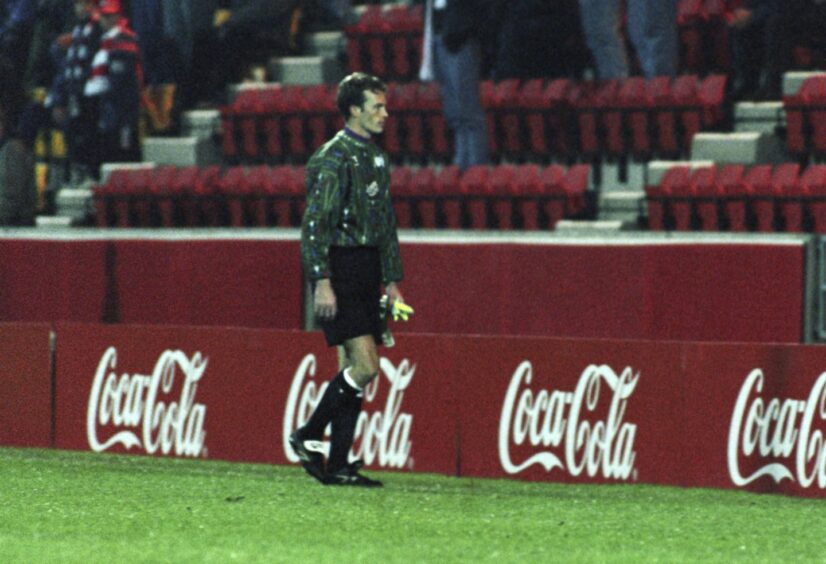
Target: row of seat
{"points": [[543, 120], [387, 41], [760, 198], [504, 197], [806, 118]]}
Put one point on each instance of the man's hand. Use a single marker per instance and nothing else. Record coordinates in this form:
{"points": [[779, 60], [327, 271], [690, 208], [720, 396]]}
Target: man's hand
{"points": [[397, 308], [324, 300]]}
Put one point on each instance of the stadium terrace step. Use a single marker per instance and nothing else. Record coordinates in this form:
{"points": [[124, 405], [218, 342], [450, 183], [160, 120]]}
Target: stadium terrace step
{"points": [[54, 221], [306, 70], [793, 80], [202, 124], [325, 44], [742, 148], [759, 117], [107, 168], [620, 206], [180, 151], [594, 226]]}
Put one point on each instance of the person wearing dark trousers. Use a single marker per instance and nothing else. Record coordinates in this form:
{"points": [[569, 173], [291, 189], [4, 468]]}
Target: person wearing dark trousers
{"points": [[452, 54], [116, 81], [759, 48], [349, 250], [70, 108]]}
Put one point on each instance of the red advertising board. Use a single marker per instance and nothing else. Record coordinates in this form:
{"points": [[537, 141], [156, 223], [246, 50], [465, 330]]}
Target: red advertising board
{"points": [[237, 394], [749, 416], [25, 385]]}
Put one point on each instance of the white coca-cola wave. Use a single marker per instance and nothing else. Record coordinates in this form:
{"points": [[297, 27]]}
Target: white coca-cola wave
{"points": [[781, 430], [563, 427], [136, 410], [382, 435]]}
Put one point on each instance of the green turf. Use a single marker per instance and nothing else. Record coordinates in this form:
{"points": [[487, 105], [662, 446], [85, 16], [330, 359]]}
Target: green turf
{"points": [[81, 507]]}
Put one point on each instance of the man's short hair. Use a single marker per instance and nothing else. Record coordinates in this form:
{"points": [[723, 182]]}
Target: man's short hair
{"points": [[351, 91]]}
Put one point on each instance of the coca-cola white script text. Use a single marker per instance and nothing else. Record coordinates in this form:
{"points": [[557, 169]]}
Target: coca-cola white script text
{"points": [[381, 436], [139, 408], [547, 419], [780, 429]]}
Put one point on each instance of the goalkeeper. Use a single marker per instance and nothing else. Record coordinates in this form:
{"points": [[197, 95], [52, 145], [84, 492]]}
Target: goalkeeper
{"points": [[349, 250]]}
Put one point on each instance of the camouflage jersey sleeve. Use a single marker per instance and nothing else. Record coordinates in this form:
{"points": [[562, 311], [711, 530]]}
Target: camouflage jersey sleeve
{"points": [[321, 214], [391, 260]]}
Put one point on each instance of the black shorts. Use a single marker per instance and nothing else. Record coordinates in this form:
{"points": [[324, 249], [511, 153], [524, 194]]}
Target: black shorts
{"points": [[356, 280]]}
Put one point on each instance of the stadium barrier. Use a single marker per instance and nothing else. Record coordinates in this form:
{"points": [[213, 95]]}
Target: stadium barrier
{"points": [[713, 289], [742, 416]]}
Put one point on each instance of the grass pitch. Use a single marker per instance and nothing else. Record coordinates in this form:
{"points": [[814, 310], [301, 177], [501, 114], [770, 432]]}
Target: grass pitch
{"points": [[82, 507]]}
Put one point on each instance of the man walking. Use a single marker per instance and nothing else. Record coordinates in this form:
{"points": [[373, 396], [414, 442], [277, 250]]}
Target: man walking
{"points": [[349, 249]]}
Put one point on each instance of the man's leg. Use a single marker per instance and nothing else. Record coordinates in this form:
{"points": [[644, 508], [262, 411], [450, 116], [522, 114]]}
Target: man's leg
{"points": [[364, 366]]}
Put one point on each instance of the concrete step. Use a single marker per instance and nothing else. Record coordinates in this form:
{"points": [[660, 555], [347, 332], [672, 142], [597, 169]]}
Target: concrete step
{"points": [[306, 70], [325, 44], [107, 168], [620, 206], [202, 124], [54, 221], [793, 80], [741, 148], [759, 117], [181, 151], [594, 227]]}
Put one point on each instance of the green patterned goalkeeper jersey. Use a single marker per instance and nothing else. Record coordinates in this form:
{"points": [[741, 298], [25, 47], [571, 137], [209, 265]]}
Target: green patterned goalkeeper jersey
{"points": [[349, 205]]}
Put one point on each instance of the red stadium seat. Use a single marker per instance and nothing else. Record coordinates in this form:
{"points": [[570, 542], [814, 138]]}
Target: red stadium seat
{"points": [[234, 188], [637, 106], [758, 182], [558, 98], [593, 100], [528, 189], [391, 140], [400, 190], [502, 192], [260, 188], [707, 195], [423, 192], [474, 185], [554, 195], [429, 103], [576, 188], [730, 180], [451, 199], [786, 188], [676, 185], [813, 187], [163, 180], [667, 142]]}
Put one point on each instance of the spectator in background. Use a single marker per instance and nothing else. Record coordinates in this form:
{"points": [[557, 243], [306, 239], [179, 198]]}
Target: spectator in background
{"points": [[759, 47], [538, 39], [652, 27], [17, 188], [53, 19], [453, 35], [115, 82], [71, 109], [16, 32], [161, 59], [223, 54]]}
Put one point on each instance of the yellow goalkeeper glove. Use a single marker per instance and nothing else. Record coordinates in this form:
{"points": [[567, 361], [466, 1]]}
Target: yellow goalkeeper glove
{"points": [[401, 311]]}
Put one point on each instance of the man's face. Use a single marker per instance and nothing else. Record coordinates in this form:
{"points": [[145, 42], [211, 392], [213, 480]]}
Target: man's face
{"points": [[373, 113]]}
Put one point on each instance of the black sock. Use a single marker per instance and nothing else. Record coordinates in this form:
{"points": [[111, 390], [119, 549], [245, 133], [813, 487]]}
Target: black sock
{"points": [[344, 429], [326, 409]]}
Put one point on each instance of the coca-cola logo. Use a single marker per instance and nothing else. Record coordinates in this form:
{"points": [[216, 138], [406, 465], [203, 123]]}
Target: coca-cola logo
{"points": [[382, 435], [778, 429], [563, 429], [139, 410]]}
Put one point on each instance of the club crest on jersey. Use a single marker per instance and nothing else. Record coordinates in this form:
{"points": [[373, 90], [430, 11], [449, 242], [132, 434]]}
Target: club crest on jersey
{"points": [[373, 189], [379, 161]]}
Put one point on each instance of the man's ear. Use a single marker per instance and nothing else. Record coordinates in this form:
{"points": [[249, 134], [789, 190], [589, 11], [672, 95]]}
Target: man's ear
{"points": [[353, 109]]}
